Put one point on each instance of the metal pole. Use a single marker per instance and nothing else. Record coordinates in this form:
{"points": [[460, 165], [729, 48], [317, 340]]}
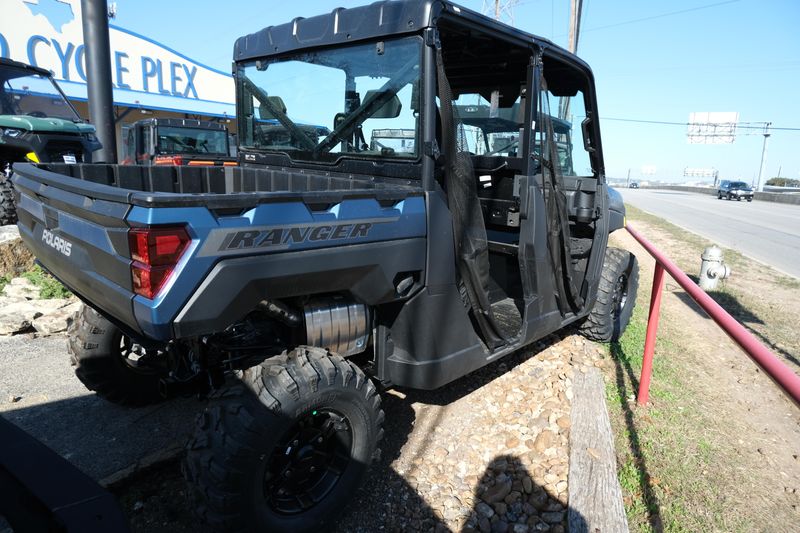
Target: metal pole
{"points": [[759, 185], [650, 338], [98, 76], [496, 9]]}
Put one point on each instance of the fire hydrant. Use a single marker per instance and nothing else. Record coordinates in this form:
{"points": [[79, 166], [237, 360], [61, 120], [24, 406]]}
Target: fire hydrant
{"points": [[712, 269]]}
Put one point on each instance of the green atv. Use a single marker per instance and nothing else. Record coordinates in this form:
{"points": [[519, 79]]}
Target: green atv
{"points": [[37, 124]]}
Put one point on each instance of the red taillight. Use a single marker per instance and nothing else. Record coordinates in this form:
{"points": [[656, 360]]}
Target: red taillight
{"points": [[168, 160], [155, 252]]}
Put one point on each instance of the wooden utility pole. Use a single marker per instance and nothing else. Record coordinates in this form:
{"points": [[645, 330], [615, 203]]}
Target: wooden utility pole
{"points": [[574, 33], [574, 24]]}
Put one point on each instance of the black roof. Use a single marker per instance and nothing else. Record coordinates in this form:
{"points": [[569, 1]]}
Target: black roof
{"points": [[4, 62], [379, 19]]}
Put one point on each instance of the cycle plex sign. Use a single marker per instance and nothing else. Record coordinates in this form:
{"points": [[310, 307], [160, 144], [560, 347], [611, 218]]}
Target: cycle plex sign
{"points": [[49, 34]]}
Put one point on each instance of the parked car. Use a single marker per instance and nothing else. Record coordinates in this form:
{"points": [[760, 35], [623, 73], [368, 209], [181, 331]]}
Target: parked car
{"points": [[737, 190], [633, 185]]}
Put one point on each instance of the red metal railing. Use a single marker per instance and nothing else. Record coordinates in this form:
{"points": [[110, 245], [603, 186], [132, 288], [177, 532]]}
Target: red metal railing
{"points": [[779, 372]]}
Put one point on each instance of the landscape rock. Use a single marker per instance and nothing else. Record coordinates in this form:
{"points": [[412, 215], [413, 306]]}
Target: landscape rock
{"points": [[56, 320], [21, 289], [496, 493], [17, 317], [21, 309]]}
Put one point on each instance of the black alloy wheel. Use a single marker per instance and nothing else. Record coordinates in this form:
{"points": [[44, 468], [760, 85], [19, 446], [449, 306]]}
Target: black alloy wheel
{"points": [[308, 462], [616, 297], [285, 447]]}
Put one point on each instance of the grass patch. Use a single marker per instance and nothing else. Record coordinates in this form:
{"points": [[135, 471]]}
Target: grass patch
{"points": [[49, 287], [666, 464], [771, 320], [4, 280], [677, 465]]}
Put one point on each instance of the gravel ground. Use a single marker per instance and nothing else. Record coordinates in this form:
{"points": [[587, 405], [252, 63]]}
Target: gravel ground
{"points": [[487, 453]]}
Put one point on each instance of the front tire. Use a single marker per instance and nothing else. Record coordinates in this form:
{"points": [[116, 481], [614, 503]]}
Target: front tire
{"points": [[8, 211], [285, 449], [109, 363], [616, 297]]}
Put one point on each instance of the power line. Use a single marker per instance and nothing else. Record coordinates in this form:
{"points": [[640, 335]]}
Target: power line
{"points": [[669, 14], [662, 15], [745, 126]]}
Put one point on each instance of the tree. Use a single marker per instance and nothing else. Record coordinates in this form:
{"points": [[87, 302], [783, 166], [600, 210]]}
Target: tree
{"points": [[783, 182]]}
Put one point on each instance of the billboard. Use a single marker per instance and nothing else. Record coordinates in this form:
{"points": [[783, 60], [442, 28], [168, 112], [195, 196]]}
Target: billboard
{"points": [[712, 127], [145, 73], [700, 172]]}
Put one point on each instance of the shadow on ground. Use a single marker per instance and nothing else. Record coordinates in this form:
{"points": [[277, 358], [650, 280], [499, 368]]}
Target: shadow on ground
{"points": [[157, 500], [627, 385], [742, 314]]}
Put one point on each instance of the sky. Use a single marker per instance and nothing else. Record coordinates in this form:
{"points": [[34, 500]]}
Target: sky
{"points": [[653, 61]]}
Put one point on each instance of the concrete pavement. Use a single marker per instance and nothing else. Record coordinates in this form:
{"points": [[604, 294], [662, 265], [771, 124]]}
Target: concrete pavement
{"points": [[40, 393]]}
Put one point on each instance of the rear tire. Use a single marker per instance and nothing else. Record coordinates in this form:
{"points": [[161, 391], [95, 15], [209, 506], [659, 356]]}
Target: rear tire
{"points": [[109, 363], [285, 449], [8, 211], [616, 297], [749, 199]]}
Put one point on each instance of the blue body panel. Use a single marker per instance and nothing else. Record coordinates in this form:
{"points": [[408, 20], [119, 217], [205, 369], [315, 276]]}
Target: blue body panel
{"points": [[403, 220]]}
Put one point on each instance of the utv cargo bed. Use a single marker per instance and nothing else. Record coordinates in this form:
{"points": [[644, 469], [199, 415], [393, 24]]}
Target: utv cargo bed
{"points": [[77, 220]]}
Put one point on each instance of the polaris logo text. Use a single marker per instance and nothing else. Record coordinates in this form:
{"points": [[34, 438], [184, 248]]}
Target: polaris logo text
{"points": [[54, 241], [285, 236]]}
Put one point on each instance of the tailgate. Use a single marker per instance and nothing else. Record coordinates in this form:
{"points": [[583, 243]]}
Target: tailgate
{"points": [[79, 234]]}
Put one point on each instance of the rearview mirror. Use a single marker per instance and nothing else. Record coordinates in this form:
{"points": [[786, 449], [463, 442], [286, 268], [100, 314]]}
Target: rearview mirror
{"points": [[276, 102], [390, 109]]}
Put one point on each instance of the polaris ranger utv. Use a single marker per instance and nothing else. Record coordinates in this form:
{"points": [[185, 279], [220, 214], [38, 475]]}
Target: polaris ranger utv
{"points": [[37, 124], [177, 141], [322, 268]]}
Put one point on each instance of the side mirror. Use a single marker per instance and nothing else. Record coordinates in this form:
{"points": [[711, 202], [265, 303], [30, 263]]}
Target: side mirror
{"points": [[587, 137]]}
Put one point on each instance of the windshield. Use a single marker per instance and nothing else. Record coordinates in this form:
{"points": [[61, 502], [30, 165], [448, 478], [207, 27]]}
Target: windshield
{"points": [[24, 93], [328, 104], [738, 185], [182, 140], [401, 141], [488, 132]]}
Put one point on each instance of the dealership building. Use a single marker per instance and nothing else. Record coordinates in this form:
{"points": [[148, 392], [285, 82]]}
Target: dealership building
{"points": [[150, 80]]}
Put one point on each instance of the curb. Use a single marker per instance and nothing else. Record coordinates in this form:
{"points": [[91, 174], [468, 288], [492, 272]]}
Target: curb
{"points": [[145, 464], [595, 495]]}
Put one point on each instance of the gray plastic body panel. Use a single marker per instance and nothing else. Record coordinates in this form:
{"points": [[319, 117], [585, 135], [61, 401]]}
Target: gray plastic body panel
{"points": [[235, 286], [95, 265]]}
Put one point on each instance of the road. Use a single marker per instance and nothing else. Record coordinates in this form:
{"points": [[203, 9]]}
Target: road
{"points": [[766, 231]]}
